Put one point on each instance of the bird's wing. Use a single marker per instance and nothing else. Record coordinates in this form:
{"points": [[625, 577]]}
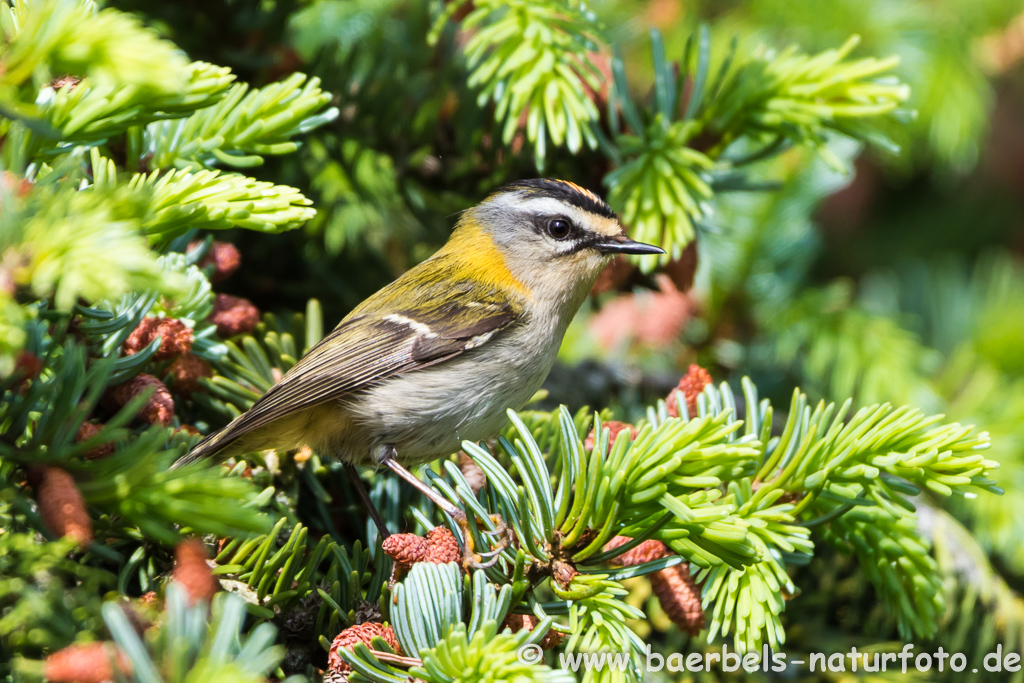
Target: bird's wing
{"points": [[368, 346]]}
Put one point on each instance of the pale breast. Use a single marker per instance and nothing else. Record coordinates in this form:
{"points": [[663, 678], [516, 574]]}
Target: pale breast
{"points": [[427, 413]]}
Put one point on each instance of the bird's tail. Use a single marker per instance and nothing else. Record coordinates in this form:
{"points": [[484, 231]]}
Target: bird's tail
{"points": [[211, 445]]}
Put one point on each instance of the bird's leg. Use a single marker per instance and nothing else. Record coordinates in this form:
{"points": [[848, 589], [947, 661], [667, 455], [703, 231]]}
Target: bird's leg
{"points": [[357, 482], [440, 501], [470, 557]]}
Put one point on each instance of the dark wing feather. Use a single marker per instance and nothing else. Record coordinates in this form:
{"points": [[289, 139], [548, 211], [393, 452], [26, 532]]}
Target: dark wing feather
{"points": [[368, 347]]}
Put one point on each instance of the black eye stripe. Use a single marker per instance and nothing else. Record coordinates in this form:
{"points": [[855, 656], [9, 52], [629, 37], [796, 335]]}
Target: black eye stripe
{"points": [[578, 239], [587, 242]]}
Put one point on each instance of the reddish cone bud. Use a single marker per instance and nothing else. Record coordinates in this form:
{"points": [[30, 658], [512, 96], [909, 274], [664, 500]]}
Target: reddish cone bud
{"points": [[405, 549], [159, 409], [223, 256], [85, 663], [151, 600], [360, 633], [439, 547], [86, 432], [614, 427], [442, 546]]}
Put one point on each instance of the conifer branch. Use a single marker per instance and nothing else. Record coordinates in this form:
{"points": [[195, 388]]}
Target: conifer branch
{"points": [[671, 154], [83, 112], [241, 128], [180, 201], [533, 61]]}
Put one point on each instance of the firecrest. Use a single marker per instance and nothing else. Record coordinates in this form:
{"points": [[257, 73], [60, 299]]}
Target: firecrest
{"points": [[440, 354]]}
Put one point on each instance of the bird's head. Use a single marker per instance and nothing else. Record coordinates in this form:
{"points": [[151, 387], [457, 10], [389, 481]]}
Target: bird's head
{"points": [[553, 236]]}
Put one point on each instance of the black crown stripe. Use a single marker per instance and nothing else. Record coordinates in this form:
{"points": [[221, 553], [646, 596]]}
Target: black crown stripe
{"points": [[562, 190]]}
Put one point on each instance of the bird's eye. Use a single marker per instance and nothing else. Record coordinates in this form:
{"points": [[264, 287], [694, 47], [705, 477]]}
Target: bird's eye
{"points": [[558, 228]]}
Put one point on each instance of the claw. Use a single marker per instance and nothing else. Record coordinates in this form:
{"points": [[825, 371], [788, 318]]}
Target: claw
{"points": [[501, 529], [473, 560], [490, 563]]}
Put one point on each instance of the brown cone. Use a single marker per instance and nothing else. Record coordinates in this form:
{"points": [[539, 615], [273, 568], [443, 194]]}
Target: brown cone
{"points": [[61, 504], [475, 476], [85, 432], [648, 551], [405, 549], [234, 315], [674, 587], [186, 371], [176, 337], [27, 365], [679, 596], [518, 622], [191, 571]]}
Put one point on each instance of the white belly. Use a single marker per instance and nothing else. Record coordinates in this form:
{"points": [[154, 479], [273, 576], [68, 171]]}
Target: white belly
{"points": [[427, 413]]}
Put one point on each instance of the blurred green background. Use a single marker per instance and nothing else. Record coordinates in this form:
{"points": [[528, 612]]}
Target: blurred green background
{"points": [[901, 281]]}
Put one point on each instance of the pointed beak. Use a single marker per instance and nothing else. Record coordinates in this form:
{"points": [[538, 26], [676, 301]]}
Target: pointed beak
{"points": [[624, 245]]}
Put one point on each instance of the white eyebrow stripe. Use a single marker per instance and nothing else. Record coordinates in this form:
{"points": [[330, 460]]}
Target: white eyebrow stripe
{"points": [[544, 205], [549, 205]]}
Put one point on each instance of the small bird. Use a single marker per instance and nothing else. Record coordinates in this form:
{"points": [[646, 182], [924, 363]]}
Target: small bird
{"points": [[440, 354]]}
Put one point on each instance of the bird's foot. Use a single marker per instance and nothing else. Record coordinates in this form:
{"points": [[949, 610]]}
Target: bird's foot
{"points": [[474, 560], [470, 558]]}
